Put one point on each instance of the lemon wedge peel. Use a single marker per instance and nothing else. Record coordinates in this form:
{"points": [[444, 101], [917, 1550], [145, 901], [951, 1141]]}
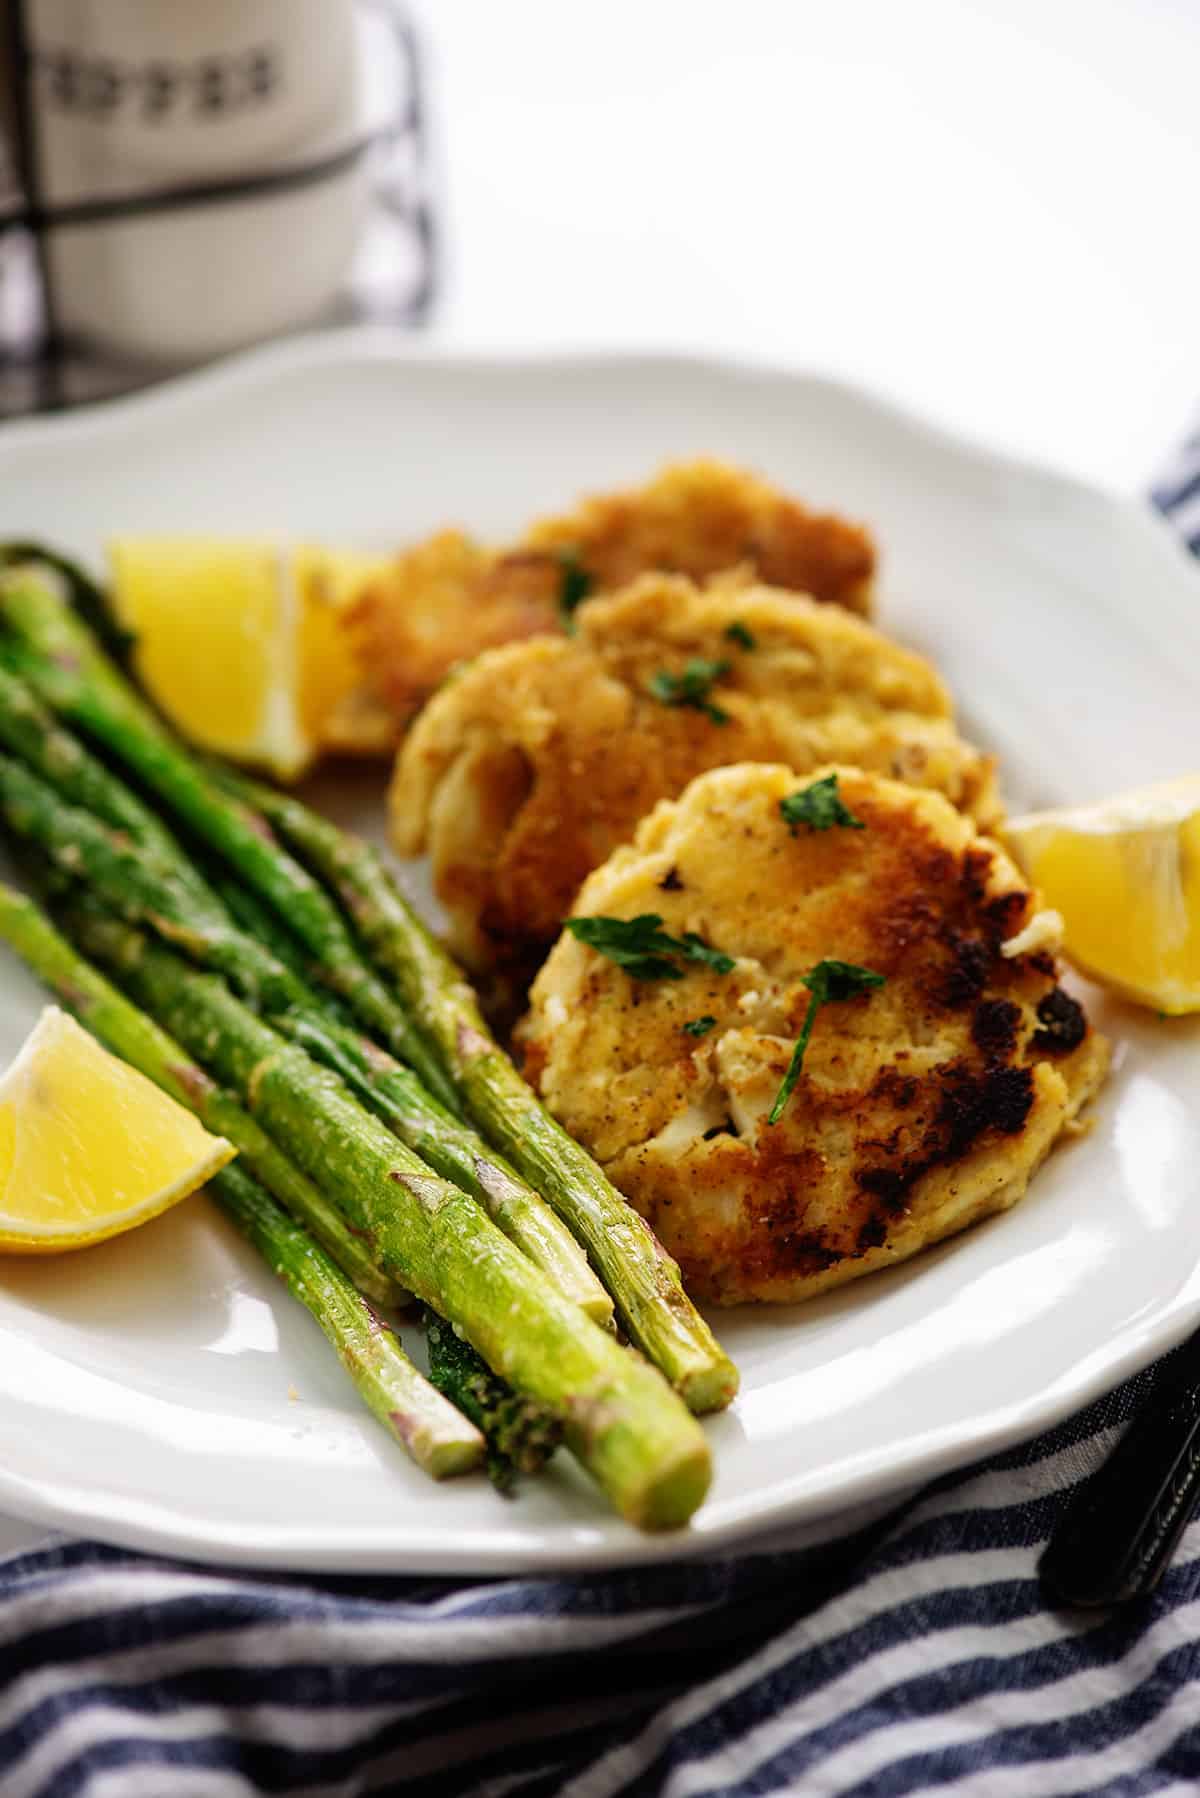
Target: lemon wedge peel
{"points": [[90, 1148], [1125, 874]]}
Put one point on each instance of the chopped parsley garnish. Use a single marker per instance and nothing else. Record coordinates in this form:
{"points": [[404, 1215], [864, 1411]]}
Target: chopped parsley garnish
{"points": [[692, 687], [830, 982], [575, 583], [699, 1026], [738, 633], [819, 806], [643, 948], [696, 949]]}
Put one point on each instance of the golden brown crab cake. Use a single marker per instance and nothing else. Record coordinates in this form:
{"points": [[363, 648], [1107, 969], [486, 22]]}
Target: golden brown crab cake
{"points": [[529, 767], [703, 516], [439, 604], [921, 1105], [450, 598]]}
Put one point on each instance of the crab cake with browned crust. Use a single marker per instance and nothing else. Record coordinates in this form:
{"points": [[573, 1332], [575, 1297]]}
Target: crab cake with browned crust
{"points": [[926, 1096], [701, 517], [529, 767], [441, 603], [451, 598]]}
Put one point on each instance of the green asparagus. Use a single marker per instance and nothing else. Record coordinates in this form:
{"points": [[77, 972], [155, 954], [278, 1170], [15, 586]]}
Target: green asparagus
{"points": [[53, 651], [29, 731], [619, 1417], [87, 599], [641, 1276], [144, 889], [521, 1434], [256, 918], [131, 1035], [440, 1439], [455, 1150]]}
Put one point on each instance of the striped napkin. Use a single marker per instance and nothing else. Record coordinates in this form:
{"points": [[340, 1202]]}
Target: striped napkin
{"points": [[909, 1651]]}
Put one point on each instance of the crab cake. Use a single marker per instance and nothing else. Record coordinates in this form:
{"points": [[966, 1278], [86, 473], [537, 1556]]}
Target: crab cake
{"points": [[699, 518], [439, 604], [924, 1100], [529, 767], [450, 598]]}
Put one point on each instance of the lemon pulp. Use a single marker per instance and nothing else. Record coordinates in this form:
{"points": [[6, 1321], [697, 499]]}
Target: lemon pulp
{"points": [[327, 582], [1125, 874], [239, 640], [89, 1146]]}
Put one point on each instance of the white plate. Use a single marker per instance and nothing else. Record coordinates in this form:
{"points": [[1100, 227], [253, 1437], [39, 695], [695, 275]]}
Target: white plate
{"points": [[162, 1390]]}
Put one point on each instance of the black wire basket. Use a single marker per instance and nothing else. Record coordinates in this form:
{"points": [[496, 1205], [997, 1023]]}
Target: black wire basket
{"points": [[45, 364]]}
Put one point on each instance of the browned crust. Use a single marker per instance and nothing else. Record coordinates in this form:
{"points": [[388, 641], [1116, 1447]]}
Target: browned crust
{"points": [[448, 599], [701, 517], [921, 1105], [535, 764], [440, 604]]}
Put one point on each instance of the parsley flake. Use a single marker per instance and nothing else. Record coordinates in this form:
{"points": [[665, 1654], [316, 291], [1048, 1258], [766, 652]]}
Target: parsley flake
{"points": [[644, 949], [830, 982], [694, 948], [740, 634], [692, 687], [819, 806], [575, 583], [700, 1026]]}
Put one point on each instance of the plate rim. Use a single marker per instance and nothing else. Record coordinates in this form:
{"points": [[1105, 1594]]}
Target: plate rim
{"points": [[198, 1539], [155, 1529], [395, 343]]}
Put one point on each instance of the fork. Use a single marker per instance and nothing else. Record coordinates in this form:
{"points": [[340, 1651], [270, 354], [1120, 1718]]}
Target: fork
{"points": [[1116, 1538]]}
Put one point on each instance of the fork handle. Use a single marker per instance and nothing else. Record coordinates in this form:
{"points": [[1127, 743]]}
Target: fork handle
{"points": [[1116, 1538]]}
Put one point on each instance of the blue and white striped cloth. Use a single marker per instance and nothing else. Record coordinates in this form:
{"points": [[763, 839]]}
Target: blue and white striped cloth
{"points": [[1177, 494], [913, 1654]]}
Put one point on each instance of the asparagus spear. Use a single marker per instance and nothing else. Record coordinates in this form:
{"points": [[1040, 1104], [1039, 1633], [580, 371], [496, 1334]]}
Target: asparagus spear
{"points": [[87, 599], [163, 889], [167, 893], [55, 654], [619, 1417], [521, 1434], [131, 1035], [440, 1439], [451, 1148], [29, 731], [641, 1276], [257, 919], [145, 889]]}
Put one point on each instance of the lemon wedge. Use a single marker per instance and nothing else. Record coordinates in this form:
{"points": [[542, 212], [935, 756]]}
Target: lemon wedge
{"points": [[88, 1146], [1125, 875], [327, 581], [239, 640]]}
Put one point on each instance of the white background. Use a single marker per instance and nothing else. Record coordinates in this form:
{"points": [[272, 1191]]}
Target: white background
{"points": [[988, 208]]}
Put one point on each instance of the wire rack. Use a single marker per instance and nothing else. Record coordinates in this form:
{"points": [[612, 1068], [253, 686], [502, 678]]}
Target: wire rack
{"points": [[393, 274]]}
